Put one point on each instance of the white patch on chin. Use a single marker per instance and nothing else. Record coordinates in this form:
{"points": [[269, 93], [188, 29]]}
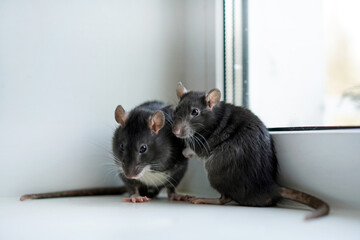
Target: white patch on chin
{"points": [[151, 178]]}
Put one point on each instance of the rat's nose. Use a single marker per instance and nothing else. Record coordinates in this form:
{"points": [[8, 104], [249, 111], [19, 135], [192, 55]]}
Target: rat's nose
{"points": [[132, 177], [177, 131], [132, 172], [180, 129]]}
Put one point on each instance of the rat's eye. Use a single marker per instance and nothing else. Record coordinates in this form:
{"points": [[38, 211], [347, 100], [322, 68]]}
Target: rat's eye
{"points": [[143, 148], [195, 112], [122, 147]]}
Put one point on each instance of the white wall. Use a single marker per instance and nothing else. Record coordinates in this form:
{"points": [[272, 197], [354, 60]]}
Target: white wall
{"points": [[64, 67], [203, 44]]}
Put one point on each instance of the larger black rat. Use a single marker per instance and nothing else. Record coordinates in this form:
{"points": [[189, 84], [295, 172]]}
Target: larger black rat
{"points": [[238, 151], [147, 154]]}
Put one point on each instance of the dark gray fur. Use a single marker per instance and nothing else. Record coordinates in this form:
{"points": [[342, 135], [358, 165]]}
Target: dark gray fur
{"points": [[243, 163], [164, 149], [239, 153]]}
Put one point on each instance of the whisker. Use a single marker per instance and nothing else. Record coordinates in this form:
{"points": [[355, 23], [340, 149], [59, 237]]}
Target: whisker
{"points": [[162, 177], [147, 178], [112, 172], [168, 178], [157, 177], [194, 140], [155, 164], [168, 119], [203, 139], [200, 124], [199, 141], [106, 164]]}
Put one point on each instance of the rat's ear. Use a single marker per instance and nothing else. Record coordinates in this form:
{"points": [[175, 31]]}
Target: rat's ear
{"points": [[120, 115], [213, 97], [157, 121], [180, 90]]}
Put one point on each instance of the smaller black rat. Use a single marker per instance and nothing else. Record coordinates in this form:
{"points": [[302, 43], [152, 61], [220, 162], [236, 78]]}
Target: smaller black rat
{"points": [[237, 149], [147, 154]]}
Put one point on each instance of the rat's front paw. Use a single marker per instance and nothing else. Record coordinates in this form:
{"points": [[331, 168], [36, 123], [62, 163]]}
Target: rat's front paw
{"points": [[136, 199], [188, 153]]}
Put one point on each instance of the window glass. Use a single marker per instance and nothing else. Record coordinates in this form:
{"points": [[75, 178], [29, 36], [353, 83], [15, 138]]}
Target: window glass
{"points": [[303, 61]]}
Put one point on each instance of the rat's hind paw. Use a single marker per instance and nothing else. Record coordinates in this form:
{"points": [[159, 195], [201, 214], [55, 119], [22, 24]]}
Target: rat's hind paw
{"points": [[138, 199], [179, 197], [213, 201]]}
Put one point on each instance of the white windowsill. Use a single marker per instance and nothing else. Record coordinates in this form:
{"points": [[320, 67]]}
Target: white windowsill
{"points": [[109, 218]]}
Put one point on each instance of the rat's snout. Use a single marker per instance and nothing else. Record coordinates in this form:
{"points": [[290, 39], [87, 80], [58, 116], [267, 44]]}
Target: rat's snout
{"points": [[132, 175], [180, 130], [177, 131], [133, 172]]}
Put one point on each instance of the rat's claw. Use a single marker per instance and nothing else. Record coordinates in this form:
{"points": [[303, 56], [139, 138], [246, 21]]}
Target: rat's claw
{"points": [[138, 199]]}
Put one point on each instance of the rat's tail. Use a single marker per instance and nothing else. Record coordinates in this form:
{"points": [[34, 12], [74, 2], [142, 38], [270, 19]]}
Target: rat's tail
{"points": [[77, 193], [321, 208]]}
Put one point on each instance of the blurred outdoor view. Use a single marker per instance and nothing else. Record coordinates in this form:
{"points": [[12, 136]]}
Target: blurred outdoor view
{"points": [[304, 62], [342, 53]]}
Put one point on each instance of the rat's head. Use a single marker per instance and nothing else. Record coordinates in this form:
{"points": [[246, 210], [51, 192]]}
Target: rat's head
{"points": [[194, 111], [136, 142]]}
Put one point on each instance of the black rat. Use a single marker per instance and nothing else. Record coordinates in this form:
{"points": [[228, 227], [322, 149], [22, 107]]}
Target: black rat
{"points": [[147, 154], [237, 149]]}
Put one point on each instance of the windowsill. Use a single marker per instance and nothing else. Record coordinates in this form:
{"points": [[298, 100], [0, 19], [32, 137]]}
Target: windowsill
{"points": [[324, 130], [109, 218]]}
